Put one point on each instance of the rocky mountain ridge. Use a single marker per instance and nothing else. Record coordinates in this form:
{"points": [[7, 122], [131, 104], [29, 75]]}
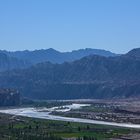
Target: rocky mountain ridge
{"points": [[90, 77]]}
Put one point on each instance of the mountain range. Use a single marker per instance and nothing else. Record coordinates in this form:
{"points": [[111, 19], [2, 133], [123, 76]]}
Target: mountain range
{"points": [[92, 76], [54, 56], [24, 59]]}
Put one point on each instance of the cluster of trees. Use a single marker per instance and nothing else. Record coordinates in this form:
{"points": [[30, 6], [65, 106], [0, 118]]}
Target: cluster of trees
{"points": [[87, 138], [27, 133], [35, 133]]}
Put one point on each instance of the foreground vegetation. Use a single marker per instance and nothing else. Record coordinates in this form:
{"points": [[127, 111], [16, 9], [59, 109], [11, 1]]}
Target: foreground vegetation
{"points": [[21, 128]]}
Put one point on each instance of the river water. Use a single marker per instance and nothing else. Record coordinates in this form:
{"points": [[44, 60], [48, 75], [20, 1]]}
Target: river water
{"points": [[45, 113]]}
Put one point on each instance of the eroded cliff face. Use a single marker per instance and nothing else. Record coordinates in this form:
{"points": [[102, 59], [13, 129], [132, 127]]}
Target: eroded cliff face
{"points": [[9, 97]]}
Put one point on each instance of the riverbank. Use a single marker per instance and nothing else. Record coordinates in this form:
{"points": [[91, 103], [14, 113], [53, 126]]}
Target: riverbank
{"points": [[45, 113], [23, 128]]}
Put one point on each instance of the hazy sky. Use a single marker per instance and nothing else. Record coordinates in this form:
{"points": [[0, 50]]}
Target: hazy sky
{"points": [[70, 24]]}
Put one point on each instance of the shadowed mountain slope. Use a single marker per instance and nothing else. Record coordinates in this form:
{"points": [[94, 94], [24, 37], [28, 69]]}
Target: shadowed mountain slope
{"points": [[90, 77], [9, 63]]}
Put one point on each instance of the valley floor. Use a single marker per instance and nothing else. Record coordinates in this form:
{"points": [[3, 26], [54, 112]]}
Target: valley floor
{"points": [[121, 111], [23, 128]]}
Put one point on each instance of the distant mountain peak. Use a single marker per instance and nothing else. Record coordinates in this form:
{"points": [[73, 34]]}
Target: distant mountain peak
{"points": [[52, 50], [134, 53]]}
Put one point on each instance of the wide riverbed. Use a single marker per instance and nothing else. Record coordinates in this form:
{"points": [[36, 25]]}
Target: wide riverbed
{"points": [[45, 113]]}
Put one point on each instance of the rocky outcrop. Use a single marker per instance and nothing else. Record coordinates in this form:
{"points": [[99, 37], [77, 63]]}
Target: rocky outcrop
{"points": [[9, 97]]}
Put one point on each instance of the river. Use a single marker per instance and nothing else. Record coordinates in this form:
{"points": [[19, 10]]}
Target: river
{"points": [[45, 113]]}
